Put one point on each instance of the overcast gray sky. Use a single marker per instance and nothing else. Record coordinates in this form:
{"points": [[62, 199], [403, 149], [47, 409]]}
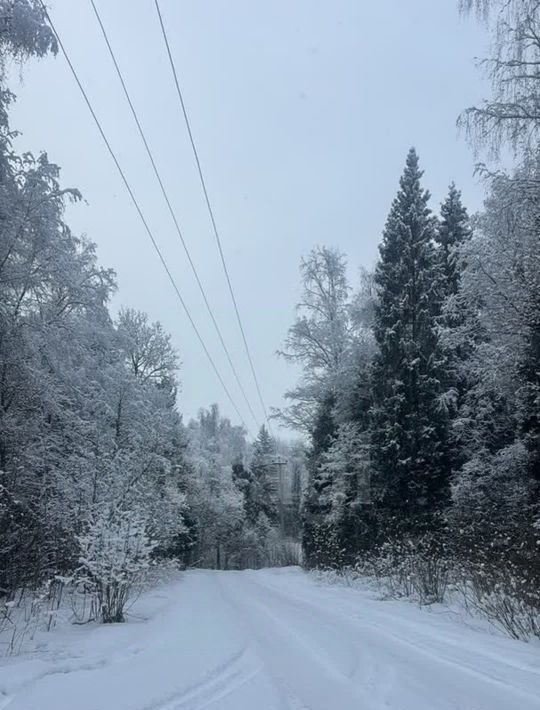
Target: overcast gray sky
{"points": [[303, 112]]}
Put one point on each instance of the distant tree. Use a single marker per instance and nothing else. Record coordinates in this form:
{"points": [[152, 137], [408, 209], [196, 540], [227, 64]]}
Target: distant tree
{"points": [[319, 339], [262, 448], [149, 352], [215, 498], [263, 494]]}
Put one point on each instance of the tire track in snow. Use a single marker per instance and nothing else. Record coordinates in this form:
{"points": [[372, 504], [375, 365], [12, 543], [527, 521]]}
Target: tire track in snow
{"points": [[378, 617], [218, 683], [348, 652], [299, 668], [404, 658], [72, 665]]}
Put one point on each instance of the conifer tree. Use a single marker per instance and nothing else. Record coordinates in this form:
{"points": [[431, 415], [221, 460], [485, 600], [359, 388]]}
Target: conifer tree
{"points": [[410, 432], [263, 447], [453, 232], [460, 329], [262, 493]]}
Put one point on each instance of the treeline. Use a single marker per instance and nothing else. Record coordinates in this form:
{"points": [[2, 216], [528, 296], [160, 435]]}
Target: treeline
{"points": [[421, 389], [242, 516], [92, 448], [99, 476]]}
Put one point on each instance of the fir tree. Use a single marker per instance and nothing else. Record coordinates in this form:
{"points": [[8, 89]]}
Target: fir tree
{"points": [[262, 495], [460, 330], [452, 233], [410, 435], [263, 447]]}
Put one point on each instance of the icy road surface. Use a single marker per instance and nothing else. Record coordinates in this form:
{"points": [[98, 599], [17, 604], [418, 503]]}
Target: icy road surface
{"points": [[273, 639]]}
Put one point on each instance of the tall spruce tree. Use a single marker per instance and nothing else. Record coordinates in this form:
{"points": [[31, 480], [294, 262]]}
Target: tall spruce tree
{"points": [[453, 232], [410, 427], [460, 329]]}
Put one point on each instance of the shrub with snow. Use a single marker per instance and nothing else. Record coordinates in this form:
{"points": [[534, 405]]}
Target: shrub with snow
{"points": [[115, 558]]}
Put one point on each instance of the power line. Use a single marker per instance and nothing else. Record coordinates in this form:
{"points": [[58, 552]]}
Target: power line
{"points": [[171, 209], [138, 208], [210, 211]]}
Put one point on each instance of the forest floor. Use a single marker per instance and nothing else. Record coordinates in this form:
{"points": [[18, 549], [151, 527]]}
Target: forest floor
{"points": [[272, 640]]}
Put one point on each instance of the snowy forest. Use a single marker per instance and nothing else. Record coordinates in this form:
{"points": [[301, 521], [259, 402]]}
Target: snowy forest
{"points": [[415, 453], [420, 394], [99, 476]]}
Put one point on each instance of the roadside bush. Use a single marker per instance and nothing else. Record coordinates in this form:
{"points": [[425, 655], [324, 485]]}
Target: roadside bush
{"points": [[506, 596], [115, 558], [495, 583], [409, 568]]}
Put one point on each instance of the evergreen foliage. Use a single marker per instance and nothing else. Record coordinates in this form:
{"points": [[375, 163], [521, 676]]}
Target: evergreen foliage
{"points": [[410, 426]]}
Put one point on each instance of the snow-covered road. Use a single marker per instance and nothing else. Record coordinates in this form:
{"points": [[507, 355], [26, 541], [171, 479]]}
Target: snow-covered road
{"points": [[274, 640]]}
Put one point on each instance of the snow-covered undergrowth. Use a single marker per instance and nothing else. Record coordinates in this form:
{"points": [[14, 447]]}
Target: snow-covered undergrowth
{"points": [[114, 564], [498, 595], [28, 619], [23, 617]]}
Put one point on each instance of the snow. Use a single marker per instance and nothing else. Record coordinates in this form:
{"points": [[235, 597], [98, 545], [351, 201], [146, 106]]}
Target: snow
{"points": [[272, 640]]}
